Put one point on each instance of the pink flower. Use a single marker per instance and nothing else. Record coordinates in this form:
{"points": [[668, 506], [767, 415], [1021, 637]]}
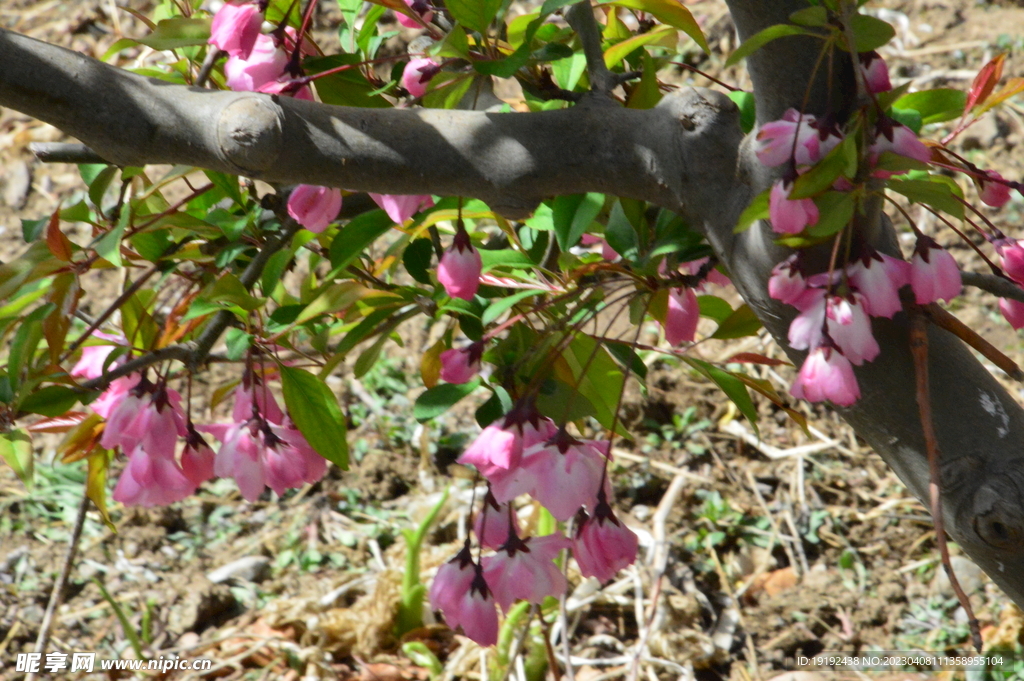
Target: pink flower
{"points": [[850, 328], [805, 331], [880, 278], [826, 375], [417, 75], [775, 140], [789, 216], [149, 418], [525, 569], [265, 64], [787, 282], [993, 194], [251, 390], [875, 70], [258, 453], [603, 545], [934, 274], [314, 207], [899, 139], [493, 522], [563, 474], [460, 267], [461, 365], [289, 87], [607, 252], [90, 365], [401, 207], [461, 593], [236, 28], [151, 479], [1013, 311], [498, 450], [713, 275], [681, 316], [112, 396], [1011, 256], [197, 458], [420, 8]]}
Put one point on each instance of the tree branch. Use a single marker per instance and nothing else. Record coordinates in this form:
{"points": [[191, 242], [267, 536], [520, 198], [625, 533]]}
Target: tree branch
{"points": [[581, 17], [511, 161], [997, 286]]}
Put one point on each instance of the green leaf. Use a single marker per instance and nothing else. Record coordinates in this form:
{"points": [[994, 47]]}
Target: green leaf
{"points": [[344, 88], [474, 14], [572, 216], [603, 381], [16, 450], [368, 357], [504, 257], [228, 184], [53, 400], [810, 16], [23, 346], [619, 51], [743, 322], [821, 175], [98, 187], [714, 307], [108, 246], [334, 298], [422, 656], [870, 33], [757, 210], [171, 34], [237, 342], [552, 6], [506, 68], [733, 388], [353, 238], [936, 194], [672, 13], [621, 234], [314, 410], [762, 38], [499, 307], [228, 289], [934, 106], [627, 357], [567, 72], [835, 210], [417, 257], [746, 103], [439, 399]]}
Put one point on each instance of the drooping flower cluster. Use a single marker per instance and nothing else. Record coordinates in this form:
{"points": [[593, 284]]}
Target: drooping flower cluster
{"points": [[834, 324], [525, 453], [1011, 256], [260, 448], [460, 267]]}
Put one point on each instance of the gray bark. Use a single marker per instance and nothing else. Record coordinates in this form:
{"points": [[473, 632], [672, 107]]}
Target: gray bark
{"points": [[687, 155]]}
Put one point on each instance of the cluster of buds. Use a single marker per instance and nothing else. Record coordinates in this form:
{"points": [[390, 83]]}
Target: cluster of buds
{"points": [[526, 453], [261, 447]]}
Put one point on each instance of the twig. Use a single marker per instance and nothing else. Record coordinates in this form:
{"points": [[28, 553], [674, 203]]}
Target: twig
{"points": [[997, 286], [204, 71], [581, 17], [57, 594], [194, 353], [65, 152], [919, 350], [944, 320]]}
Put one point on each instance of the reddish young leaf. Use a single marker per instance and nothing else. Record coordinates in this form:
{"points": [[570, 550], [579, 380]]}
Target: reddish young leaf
{"points": [[58, 424], [56, 241], [1012, 87], [985, 81], [754, 358]]}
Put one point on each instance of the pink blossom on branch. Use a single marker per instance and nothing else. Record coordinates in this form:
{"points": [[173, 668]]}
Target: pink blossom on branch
{"points": [[419, 7], [934, 274], [991, 193], [197, 458], [524, 569], [899, 139], [879, 278], [876, 72], [460, 267], [151, 479], [235, 28], [794, 137], [314, 207], [563, 474], [603, 545], [90, 365], [787, 282], [417, 74], [264, 64], [849, 326], [460, 592], [493, 522], [497, 452], [401, 207], [460, 365], [1011, 255], [790, 216], [1013, 312], [826, 375], [681, 316]]}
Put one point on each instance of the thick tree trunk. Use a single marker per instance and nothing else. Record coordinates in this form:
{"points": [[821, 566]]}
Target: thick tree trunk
{"points": [[687, 155]]}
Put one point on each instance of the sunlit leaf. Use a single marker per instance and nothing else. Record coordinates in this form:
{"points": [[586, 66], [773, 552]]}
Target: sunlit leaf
{"points": [[16, 450], [314, 410], [437, 400]]}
